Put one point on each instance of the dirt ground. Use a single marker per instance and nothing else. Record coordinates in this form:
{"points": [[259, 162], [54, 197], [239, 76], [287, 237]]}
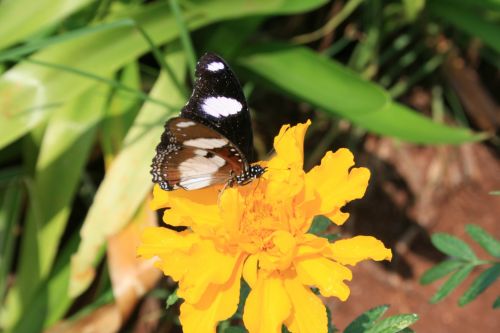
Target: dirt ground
{"points": [[419, 191]]}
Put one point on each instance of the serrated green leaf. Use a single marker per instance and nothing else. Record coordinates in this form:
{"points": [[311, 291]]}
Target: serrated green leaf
{"points": [[453, 246], [440, 270], [484, 239], [479, 285], [496, 303], [394, 324], [342, 92], [366, 320], [171, 299], [452, 283]]}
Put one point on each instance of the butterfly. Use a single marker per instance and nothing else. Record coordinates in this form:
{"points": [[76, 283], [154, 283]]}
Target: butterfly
{"points": [[211, 141]]}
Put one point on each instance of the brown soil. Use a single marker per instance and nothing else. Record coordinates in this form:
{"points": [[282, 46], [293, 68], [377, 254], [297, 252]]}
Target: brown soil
{"points": [[414, 192]]}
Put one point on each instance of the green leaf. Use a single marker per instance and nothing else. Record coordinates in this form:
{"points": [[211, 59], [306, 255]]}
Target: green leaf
{"points": [[171, 299], [366, 320], [10, 212], [483, 281], [319, 225], [452, 283], [30, 92], [394, 324], [63, 153], [235, 329], [496, 303], [453, 246], [440, 270], [127, 182], [471, 21], [484, 239], [334, 88]]}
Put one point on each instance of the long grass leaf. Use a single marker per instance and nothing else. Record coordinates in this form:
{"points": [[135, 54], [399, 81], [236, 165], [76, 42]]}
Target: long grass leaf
{"points": [[63, 153], [337, 90], [127, 182]]}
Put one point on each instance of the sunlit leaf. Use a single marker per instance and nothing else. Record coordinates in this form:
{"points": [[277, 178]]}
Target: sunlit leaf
{"points": [[127, 181], [36, 15], [366, 320], [65, 146], [29, 92], [394, 324]]}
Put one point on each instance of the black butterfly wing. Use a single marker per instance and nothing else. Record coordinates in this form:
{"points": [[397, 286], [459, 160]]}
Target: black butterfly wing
{"points": [[218, 102], [192, 156]]}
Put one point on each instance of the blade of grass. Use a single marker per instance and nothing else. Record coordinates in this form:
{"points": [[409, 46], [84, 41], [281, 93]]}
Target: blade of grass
{"points": [[10, 210], [471, 21], [187, 44], [331, 25]]}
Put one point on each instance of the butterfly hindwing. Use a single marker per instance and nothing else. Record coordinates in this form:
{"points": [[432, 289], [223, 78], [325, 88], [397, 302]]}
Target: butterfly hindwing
{"points": [[192, 155], [218, 102]]}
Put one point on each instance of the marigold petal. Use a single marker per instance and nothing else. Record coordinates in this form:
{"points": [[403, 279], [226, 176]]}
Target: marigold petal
{"points": [[325, 274], [218, 303], [308, 312], [157, 240], [250, 270], [311, 244], [267, 305], [205, 266], [289, 144], [170, 247], [280, 255], [337, 216], [336, 184], [353, 250]]}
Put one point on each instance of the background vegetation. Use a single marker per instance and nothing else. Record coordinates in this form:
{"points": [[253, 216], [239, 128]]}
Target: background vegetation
{"points": [[86, 87]]}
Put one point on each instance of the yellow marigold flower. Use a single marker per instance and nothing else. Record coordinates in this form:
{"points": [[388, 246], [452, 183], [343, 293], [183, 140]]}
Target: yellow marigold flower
{"points": [[260, 232]]}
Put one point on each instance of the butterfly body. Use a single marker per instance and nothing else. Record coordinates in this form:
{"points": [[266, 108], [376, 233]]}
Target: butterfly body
{"points": [[211, 141]]}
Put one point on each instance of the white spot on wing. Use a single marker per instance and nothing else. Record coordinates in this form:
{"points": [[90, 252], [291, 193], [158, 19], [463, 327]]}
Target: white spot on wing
{"points": [[200, 152], [221, 106], [196, 172], [215, 66], [204, 143], [184, 124]]}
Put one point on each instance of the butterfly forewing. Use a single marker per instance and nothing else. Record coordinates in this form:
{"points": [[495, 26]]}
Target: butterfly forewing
{"points": [[219, 103]]}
